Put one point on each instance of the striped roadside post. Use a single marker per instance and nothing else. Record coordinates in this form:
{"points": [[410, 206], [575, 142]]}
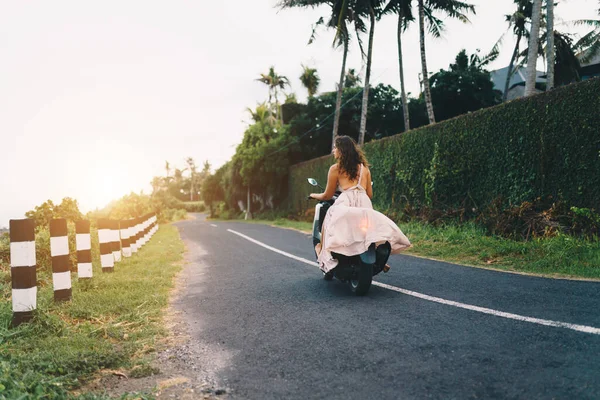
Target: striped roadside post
{"points": [[84, 249], [133, 235], [22, 270], [140, 235], [154, 224], [61, 263], [115, 239], [146, 228], [142, 230], [107, 259], [125, 238]]}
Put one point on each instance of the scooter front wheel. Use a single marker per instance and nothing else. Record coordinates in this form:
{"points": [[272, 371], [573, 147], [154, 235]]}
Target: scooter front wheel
{"points": [[362, 283]]}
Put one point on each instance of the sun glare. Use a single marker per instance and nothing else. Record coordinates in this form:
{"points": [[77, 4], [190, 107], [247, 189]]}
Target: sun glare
{"points": [[108, 184]]}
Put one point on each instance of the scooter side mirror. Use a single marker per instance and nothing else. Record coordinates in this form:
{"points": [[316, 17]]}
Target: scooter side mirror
{"points": [[312, 182]]}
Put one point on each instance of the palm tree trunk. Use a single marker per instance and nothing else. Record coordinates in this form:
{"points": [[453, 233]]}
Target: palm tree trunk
{"points": [[277, 113], [426, 88], [534, 38], [338, 102], [550, 45], [510, 72], [402, 90], [365, 99]]}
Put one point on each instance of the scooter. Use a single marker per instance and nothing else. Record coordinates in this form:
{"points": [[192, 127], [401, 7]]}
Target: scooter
{"points": [[358, 270]]}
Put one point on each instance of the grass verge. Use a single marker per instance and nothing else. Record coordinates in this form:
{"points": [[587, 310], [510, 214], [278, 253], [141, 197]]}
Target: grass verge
{"points": [[113, 322], [561, 256]]}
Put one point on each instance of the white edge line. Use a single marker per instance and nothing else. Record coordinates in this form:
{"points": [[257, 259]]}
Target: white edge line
{"points": [[214, 226], [539, 321]]}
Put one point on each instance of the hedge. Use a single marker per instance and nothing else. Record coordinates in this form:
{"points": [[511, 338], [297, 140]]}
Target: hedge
{"points": [[545, 145]]}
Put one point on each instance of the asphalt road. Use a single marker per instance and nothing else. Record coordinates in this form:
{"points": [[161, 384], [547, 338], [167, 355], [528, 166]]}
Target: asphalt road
{"points": [[271, 328]]}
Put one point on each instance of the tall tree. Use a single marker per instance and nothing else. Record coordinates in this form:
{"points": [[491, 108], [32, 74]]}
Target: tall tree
{"points": [[466, 86], [339, 17], [403, 9], [567, 66], [352, 79], [310, 80], [518, 22], [275, 83], [550, 49], [372, 8], [191, 165], [589, 44], [452, 8], [532, 53], [424, 72], [261, 113]]}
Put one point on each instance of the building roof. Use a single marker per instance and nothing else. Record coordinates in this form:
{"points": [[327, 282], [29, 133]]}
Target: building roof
{"points": [[499, 78], [595, 60]]}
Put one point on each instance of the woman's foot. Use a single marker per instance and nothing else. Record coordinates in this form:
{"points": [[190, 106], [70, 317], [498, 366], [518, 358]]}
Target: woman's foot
{"points": [[386, 268]]}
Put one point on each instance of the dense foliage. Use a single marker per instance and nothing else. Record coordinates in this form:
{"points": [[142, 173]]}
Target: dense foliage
{"points": [[542, 150]]}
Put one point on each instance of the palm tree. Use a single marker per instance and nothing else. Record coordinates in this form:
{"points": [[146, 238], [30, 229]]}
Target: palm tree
{"points": [[338, 19], [262, 114], [310, 79], [534, 37], [517, 21], [352, 79], [275, 83], [361, 9], [403, 8], [567, 64], [590, 42], [550, 50], [192, 167], [454, 9]]}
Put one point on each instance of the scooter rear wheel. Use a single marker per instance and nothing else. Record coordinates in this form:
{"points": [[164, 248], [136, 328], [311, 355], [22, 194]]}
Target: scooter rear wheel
{"points": [[362, 284], [328, 276]]}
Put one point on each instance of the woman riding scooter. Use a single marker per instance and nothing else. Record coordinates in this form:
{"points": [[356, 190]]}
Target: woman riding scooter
{"points": [[351, 224]]}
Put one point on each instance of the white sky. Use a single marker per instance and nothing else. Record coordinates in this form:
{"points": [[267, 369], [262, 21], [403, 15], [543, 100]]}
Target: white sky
{"points": [[94, 97]]}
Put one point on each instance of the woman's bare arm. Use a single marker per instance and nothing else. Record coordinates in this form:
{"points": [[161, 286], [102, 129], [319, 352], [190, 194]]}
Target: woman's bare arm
{"points": [[369, 184], [332, 180]]}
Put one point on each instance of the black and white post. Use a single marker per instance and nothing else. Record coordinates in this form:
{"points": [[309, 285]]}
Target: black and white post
{"points": [[125, 233], [133, 235], [115, 239], [22, 270], [107, 260], [146, 229], [154, 225], [61, 263], [83, 242], [140, 232]]}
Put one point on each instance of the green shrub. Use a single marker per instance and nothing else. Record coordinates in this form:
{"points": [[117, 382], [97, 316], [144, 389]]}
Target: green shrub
{"points": [[194, 206]]}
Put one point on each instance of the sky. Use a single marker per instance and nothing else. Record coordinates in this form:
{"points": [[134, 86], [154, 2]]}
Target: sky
{"points": [[96, 96]]}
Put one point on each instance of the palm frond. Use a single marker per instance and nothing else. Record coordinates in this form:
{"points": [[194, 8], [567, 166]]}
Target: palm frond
{"points": [[313, 35], [435, 25]]}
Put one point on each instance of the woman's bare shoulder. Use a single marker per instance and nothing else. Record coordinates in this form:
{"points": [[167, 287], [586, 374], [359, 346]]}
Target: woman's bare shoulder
{"points": [[334, 168]]}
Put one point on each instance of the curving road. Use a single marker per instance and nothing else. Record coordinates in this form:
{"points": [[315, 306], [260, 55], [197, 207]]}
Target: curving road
{"points": [[271, 328]]}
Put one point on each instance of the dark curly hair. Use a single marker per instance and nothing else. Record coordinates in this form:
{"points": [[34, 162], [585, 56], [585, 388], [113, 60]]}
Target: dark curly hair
{"points": [[351, 156]]}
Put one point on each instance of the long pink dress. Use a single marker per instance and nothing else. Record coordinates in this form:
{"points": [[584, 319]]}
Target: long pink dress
{"points": [[351, 225]]}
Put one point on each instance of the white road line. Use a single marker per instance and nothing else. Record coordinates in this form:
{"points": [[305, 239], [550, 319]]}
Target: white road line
{"points": [[545, 322], [213, 225]]}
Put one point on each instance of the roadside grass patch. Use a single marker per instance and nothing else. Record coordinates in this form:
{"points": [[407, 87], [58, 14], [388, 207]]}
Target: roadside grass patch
{"points": [[113, 322], [468, 244]]}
